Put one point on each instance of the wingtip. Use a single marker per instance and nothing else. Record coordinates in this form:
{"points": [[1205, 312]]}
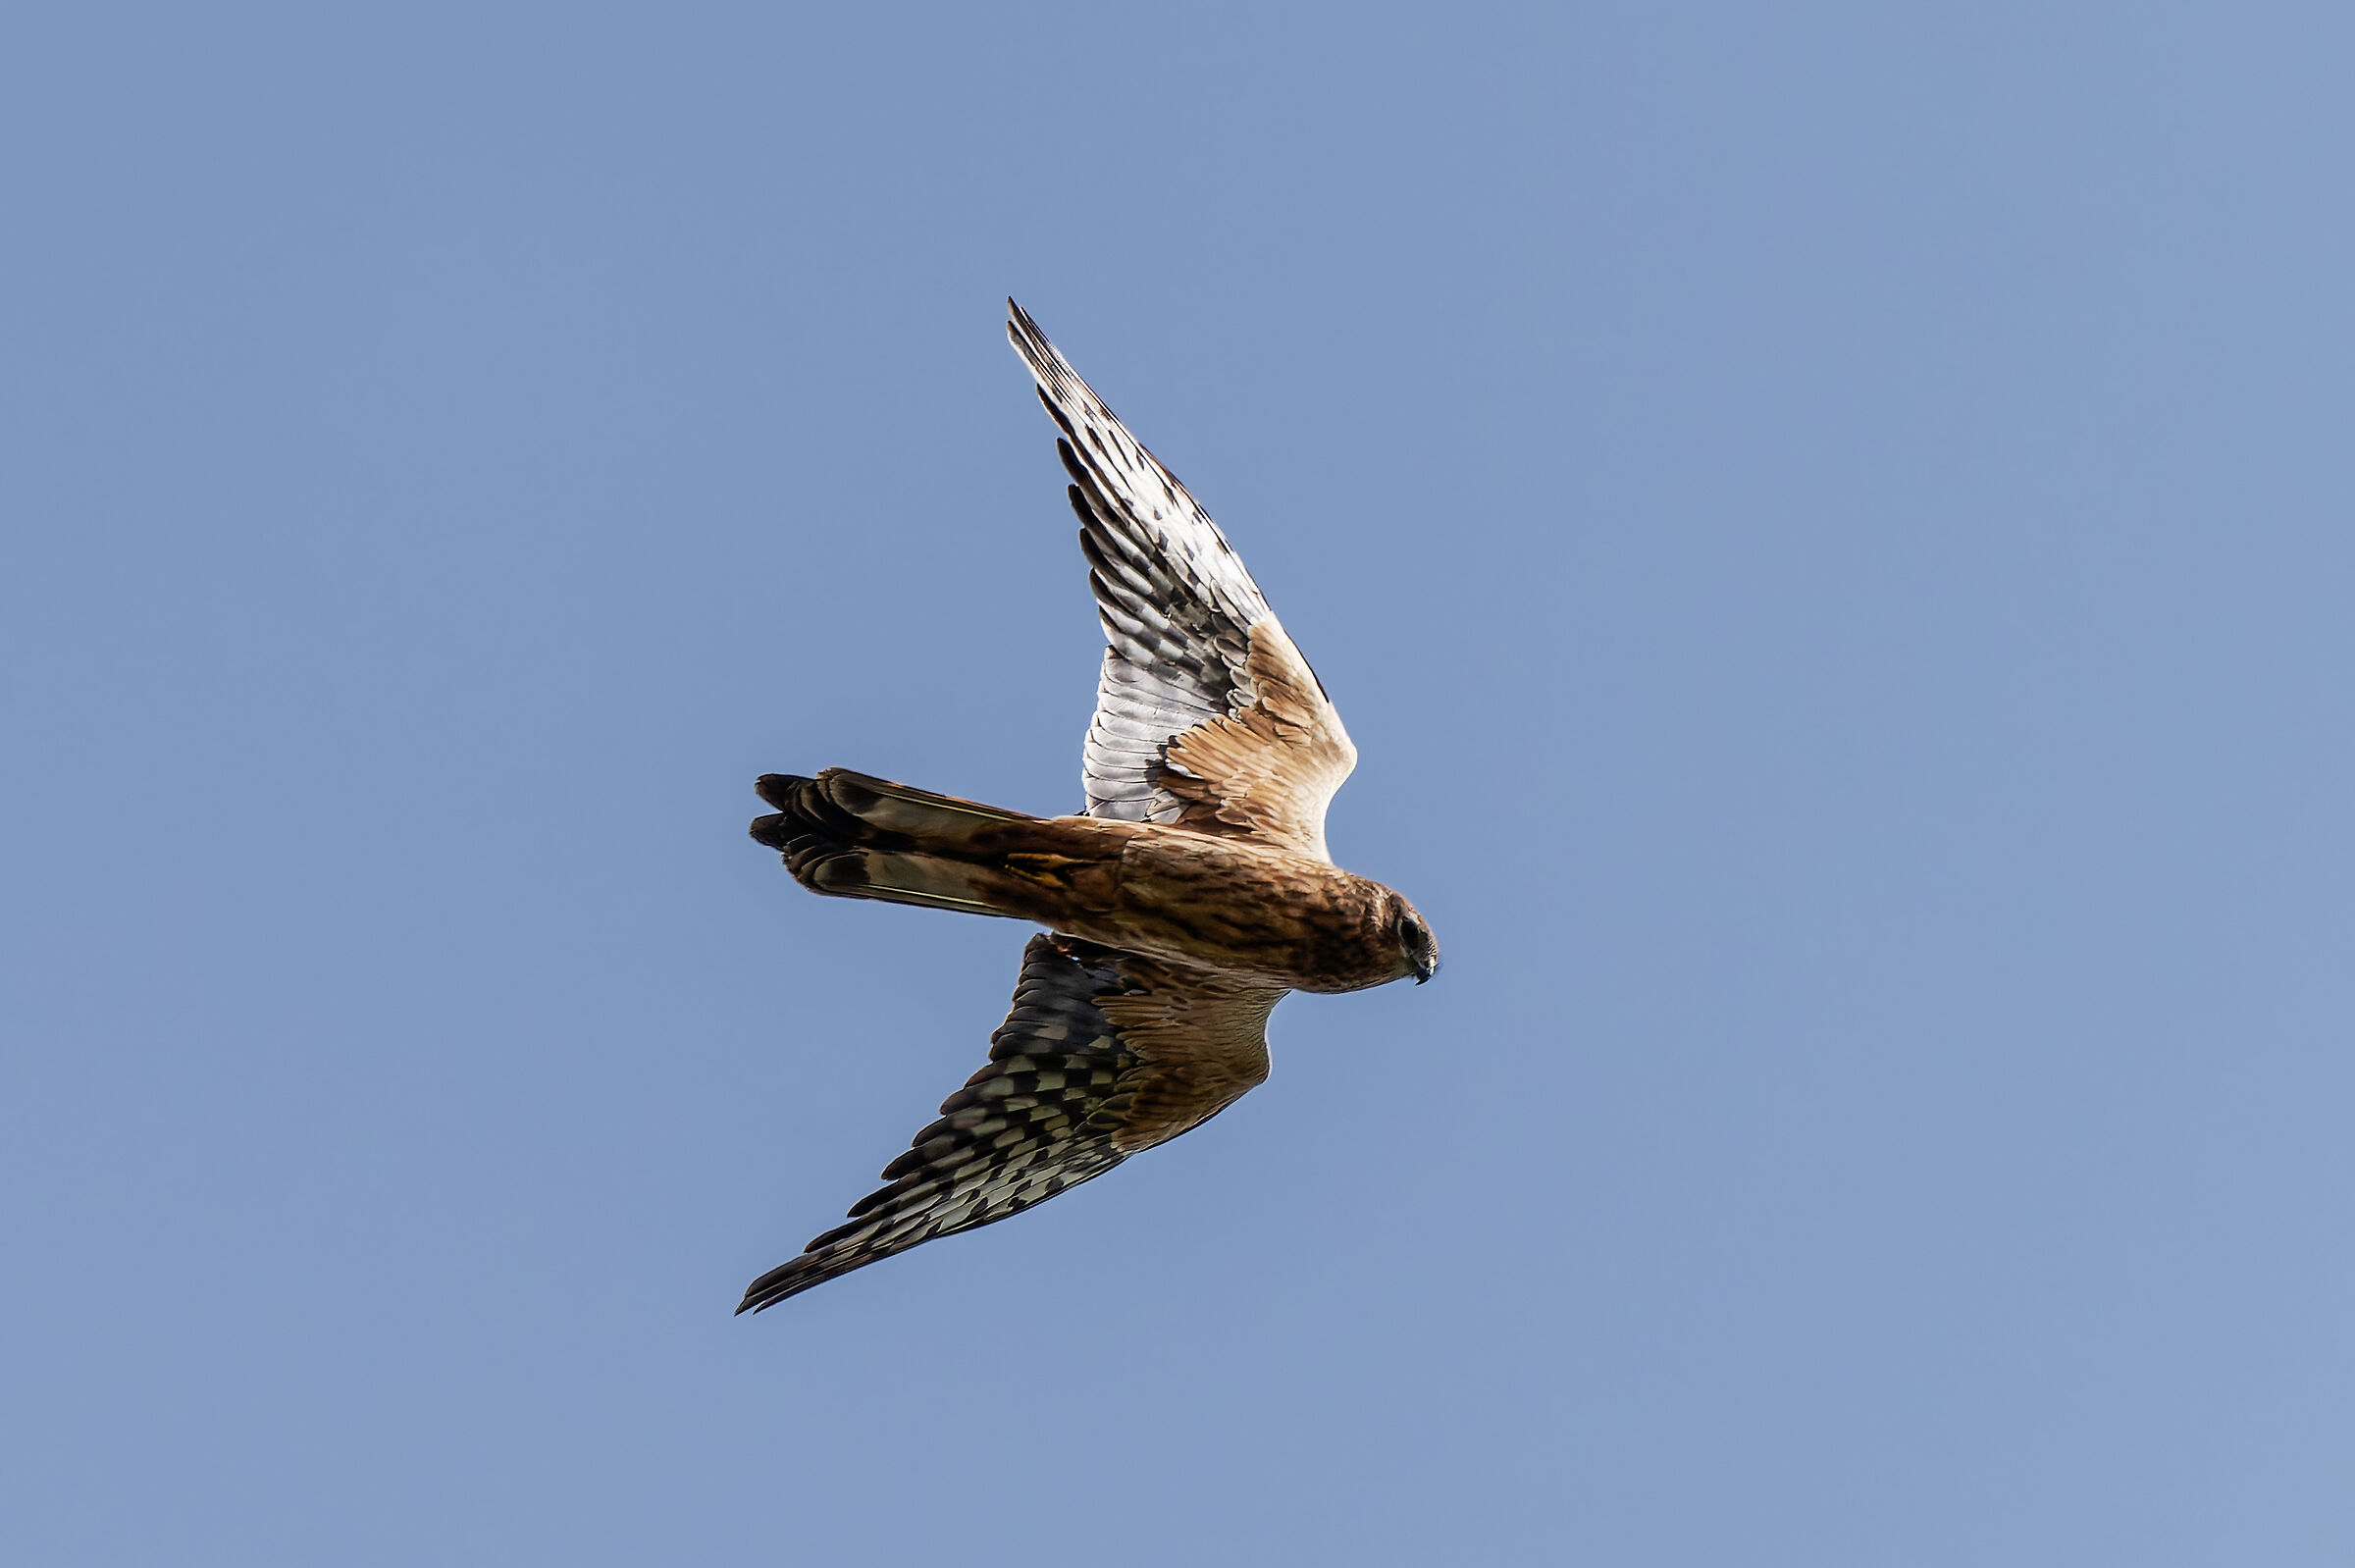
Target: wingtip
{"points": [[1028, 340], [786, 1279]]}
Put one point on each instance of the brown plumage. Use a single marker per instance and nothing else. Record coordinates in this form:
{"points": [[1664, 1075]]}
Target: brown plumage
{"points": [[1193, 893]]}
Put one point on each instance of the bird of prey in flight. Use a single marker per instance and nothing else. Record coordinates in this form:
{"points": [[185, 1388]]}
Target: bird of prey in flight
{"points": [[1192, 892]]}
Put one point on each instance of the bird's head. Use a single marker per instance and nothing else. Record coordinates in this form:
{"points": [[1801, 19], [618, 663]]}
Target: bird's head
{"points": [[1418, 949]]}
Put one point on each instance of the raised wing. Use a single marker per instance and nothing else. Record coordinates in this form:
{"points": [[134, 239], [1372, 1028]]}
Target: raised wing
{"points": [[1104, 1053], [1195, 655]]}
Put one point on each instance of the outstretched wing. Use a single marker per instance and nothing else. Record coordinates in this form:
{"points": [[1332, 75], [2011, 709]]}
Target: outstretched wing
{"points": [[1196, 656], [1104, 1053]]}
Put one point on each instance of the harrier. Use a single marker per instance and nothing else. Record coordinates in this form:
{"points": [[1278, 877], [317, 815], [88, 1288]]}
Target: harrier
{"points": [[1192, 892]]}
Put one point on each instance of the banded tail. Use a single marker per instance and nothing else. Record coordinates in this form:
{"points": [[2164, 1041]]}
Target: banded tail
{"points": [[849, 835]]}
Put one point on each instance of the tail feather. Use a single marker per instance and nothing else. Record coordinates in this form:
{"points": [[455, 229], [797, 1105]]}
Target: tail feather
{"points": [[854, 836]]}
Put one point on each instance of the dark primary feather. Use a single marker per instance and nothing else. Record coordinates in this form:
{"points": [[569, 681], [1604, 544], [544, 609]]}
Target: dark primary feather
{"points": [[1177, 604], [1037, 1120]]}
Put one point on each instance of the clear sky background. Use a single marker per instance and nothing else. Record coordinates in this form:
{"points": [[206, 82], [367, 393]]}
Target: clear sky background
{"points": [[1830, 528]]}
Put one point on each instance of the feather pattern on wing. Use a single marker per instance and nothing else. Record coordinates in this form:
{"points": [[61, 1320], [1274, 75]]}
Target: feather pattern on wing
{"points": [[1192, 647], [1104, 1053]]}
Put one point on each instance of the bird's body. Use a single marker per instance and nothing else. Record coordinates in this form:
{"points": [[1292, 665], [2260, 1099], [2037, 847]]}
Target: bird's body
{"points": [[1254, 911], [1193, 894]]}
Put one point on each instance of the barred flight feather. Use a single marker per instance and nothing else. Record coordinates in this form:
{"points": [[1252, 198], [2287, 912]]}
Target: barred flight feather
{"points": [[1050, 1110], [1193, 647], [1177, 603]]}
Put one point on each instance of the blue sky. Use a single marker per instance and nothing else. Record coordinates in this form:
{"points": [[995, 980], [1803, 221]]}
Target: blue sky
{"points": [[1829, 527]]}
